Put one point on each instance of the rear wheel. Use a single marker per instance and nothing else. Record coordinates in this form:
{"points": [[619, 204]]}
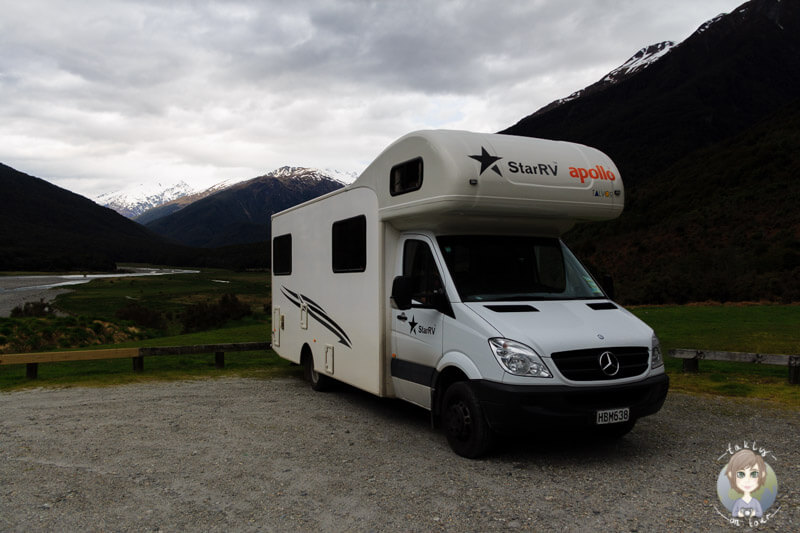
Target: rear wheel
{"points": [[464, 422], [319, 382]]}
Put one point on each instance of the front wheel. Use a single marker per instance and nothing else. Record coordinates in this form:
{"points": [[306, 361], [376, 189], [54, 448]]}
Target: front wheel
{"points": [[464, 422]]}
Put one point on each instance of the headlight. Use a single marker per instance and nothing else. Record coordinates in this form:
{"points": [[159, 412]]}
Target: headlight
{"points": [[656, 360], [518, 359]]}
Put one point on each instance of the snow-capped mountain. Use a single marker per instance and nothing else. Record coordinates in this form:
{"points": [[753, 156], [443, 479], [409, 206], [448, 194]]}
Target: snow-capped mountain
{"points": [[312, 173], [706, 128], [134, 200], [239, 214], [639, 61], [296, 174]]}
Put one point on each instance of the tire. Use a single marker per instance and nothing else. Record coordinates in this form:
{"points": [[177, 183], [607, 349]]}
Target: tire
{"points": [[319, 382], [464, 422]]}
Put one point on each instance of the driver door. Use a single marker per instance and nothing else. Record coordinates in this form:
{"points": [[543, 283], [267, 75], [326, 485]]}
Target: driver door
{"points": [[417, 332]]}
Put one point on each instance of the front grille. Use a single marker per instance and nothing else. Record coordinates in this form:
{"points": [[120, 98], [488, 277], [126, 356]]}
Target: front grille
{"points": [[584, 365]]}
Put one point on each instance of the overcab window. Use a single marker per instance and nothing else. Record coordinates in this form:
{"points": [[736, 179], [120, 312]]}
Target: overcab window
{"points": [[406, 177], [350, 245], [282, 255]]}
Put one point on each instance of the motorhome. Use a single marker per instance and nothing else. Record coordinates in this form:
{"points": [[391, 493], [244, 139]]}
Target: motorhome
{"points": [[439, 277]]}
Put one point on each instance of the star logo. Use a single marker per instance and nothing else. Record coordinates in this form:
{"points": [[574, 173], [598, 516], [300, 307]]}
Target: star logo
{"points": [[413, 325], [487, 161]]}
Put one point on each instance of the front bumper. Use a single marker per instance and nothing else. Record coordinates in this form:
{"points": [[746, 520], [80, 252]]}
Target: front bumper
{"points": [[515, 408]]}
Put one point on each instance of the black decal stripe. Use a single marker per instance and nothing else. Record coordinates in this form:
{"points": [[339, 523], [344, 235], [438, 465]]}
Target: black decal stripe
{"points": [[332, 326], [292, 296], [312, 302], [413, 372], [319, 314]]}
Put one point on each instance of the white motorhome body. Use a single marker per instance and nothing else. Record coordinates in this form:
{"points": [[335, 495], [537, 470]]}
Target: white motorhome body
{"points": [[439, 277]]}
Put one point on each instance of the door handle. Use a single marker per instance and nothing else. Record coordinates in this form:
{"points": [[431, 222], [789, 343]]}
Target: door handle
{"points": [[402, 316]]}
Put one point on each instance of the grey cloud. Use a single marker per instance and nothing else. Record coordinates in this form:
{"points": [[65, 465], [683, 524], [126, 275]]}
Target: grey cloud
{"points": [[120, 86]]}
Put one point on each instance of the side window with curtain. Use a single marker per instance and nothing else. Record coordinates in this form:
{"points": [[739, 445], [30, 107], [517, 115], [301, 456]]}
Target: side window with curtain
{"points": [[420, 267]]}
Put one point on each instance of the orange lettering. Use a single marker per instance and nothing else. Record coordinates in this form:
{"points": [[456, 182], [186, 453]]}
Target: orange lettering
{"points": [[596, 173]]}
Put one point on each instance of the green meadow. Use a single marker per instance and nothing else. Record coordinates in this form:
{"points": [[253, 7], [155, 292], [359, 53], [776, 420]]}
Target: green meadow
{"points": [[752, 328], [157, 311]]}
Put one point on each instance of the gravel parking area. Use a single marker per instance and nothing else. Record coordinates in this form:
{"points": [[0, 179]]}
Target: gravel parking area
{"points": [[272, 455]]}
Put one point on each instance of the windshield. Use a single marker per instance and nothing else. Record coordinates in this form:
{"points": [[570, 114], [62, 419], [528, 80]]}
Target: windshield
{"points": [[515, 268]]}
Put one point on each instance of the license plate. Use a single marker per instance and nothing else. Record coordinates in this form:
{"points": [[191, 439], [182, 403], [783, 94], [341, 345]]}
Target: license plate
{"points": [[613, 416]]}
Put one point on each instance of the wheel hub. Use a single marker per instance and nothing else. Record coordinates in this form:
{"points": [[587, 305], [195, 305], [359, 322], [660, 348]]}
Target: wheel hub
{"points": [[459, 420]]}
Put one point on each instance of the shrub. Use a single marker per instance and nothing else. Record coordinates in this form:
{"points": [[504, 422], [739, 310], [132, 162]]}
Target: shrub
{"points": [[142, 316], [203, 316], [33, 309]]}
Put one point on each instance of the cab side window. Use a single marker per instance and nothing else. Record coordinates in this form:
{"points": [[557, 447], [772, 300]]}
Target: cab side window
{"points": [[420, 267]]}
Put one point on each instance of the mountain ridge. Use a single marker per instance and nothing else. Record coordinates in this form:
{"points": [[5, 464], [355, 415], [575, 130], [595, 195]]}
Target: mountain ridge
{"points": [[45, 227], [134, 200], [733, 76], [240, 214]]}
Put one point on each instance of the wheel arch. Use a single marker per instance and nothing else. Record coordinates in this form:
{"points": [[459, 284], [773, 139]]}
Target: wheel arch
{"points": [[305, 351], [453, 367]]}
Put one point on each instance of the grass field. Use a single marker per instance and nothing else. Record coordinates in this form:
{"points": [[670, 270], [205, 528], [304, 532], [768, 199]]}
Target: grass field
{"points": [[736, 328], [744, 328]]}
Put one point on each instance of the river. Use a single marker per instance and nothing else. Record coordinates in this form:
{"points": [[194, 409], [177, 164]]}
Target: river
{"points": [[16, 290]]}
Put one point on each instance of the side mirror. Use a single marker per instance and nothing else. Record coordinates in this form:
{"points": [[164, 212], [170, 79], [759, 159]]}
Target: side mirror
{"points": [[401, 293], [608, 285]]}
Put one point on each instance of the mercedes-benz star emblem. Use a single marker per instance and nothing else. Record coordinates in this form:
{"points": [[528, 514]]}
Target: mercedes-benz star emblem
{"points": [[609, 364]]}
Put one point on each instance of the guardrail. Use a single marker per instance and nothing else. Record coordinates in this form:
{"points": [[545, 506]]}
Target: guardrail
{"points": [[691, 359], [137, 355]]}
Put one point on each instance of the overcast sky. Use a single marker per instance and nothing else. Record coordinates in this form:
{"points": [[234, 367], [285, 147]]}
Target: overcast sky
{"points": [[97, 95]]}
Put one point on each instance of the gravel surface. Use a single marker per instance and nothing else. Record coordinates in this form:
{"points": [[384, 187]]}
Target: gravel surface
{"points": [[9, 299], [272, 455]]}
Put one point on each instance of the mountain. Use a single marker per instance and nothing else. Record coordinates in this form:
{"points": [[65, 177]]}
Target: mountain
{"points": [[179, 202], [732, 72], [45, 227], [707, 140], [638, 62], [241, 213], [134, 200], [167, 208]]}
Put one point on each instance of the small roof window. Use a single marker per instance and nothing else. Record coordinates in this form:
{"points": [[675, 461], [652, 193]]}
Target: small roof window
{"points": [[406, 177]]}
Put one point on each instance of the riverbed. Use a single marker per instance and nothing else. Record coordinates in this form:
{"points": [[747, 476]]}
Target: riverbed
{"points": [[17, 290]]}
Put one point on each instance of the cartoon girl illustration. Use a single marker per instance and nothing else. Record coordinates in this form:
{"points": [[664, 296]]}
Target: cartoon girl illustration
{"points": [[746, 473]]}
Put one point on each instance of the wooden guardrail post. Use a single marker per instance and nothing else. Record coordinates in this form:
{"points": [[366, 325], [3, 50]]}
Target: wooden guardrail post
{"points": [[219, 360], [691, 360], [693, 365], [31, 370]]}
